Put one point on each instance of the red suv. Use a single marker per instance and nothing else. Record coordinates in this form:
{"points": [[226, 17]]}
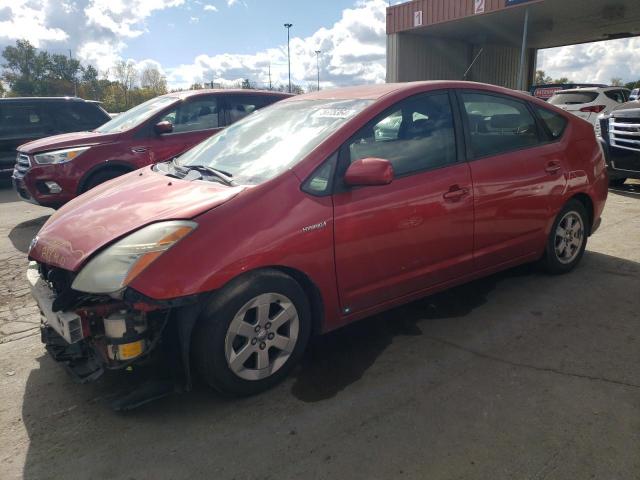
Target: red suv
{"points": [[53, 170], [316, 211]]}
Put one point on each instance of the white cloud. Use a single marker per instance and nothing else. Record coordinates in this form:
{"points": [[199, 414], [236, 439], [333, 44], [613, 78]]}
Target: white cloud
{"points": [[124, 17], [594, 62], [26, 19], [353, 51], [210, 8]]}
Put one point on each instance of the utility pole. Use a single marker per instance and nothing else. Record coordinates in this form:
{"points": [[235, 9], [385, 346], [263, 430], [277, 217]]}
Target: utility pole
{"points": [[270, 76], [288, 27], [318, 52], [523, 51], [75, 86]]}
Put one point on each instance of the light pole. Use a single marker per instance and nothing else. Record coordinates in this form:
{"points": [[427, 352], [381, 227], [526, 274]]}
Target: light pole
{"points": [[288, 26], [318, 52]]}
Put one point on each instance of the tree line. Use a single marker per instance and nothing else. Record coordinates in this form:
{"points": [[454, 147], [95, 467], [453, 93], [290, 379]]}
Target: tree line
{"points": [[542, 78], [30, 72]]}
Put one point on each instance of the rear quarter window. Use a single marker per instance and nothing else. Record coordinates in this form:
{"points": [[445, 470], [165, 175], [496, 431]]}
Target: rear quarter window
{"points": [[554, 122]]}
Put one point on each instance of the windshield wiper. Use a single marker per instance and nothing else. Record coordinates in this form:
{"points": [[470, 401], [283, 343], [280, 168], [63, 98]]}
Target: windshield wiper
{"points": [[225, 177]]}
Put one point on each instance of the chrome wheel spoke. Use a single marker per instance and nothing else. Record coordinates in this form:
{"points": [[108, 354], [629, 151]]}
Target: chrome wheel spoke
{"points": [[283, 343], [237, 360], [263, 359], [244, 330], [287, 313]]}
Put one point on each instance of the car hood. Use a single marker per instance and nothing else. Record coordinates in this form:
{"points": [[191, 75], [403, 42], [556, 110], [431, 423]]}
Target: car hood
{"points": [[118, 207], [66, 140], [629, 109]]}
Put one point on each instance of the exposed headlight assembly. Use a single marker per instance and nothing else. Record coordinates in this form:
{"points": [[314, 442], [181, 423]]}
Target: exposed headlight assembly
{"points": [[59, 156], [115, 267]]}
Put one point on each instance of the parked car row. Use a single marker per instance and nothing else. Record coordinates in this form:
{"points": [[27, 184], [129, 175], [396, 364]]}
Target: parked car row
{"points": [[619, 134], [307, 215], [25, 119], [53, 170]]}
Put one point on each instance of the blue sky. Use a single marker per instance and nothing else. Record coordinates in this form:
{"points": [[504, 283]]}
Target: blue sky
{"points": [[226, 41], [242, 28]]}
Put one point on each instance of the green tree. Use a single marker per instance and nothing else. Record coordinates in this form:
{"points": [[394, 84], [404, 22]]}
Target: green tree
{"points": [[542, 78], [26, 69], [153, 80]]}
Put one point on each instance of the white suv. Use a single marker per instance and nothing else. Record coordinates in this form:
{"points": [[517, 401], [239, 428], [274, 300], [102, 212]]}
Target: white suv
{"points": [[588, 103]]}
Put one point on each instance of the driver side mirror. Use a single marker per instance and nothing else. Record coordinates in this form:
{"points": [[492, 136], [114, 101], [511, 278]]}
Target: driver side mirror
{"points": [[369, 171], [163, 127]]}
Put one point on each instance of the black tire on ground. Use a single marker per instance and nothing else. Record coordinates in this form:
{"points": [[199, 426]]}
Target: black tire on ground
{"points": [[101, 177], [617, 182], [551, 261], [210, 336]]}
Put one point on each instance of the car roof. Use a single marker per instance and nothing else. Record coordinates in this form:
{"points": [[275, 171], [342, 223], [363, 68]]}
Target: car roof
{"points": [[589, 89], [377, 91], [230, 91], [46, 99]]}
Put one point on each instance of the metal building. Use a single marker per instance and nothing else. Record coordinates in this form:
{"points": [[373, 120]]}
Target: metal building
{"points": [[495, 41]]}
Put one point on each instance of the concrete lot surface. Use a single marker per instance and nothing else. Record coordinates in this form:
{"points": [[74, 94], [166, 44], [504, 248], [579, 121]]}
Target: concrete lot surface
{"points": [[517, 376]]}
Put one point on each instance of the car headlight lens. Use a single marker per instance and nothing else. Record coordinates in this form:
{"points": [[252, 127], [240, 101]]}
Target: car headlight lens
{"points": [[59, 156], [114, 268]]}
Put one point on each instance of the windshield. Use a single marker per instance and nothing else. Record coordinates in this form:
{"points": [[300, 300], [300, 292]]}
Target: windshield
{"points": [[573, 98], [266, 143], [136, 115]]}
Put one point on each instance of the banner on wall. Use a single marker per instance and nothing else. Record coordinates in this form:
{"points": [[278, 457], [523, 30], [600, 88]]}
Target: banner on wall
{"points": [[479, 6]]}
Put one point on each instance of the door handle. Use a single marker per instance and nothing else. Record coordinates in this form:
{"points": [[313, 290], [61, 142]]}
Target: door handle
{"points": [[553, 167], [455, 193]]}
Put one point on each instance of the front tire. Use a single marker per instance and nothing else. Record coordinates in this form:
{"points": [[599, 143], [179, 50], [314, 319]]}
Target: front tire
{"points": [[252, 333], [101, 177], [567, 239]]}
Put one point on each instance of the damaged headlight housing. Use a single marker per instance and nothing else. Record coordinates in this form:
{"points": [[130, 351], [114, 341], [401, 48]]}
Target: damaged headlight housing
{"points": [[115, 267], [59, 156]]}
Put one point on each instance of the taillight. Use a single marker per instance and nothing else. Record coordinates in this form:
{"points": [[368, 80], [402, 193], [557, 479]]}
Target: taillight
{"points": [[593, 109]]}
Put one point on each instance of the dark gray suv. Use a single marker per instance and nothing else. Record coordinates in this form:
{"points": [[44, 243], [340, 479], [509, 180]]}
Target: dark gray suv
{"points": [[25, 119]]}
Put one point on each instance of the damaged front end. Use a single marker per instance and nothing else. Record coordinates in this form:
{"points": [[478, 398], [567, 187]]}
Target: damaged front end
{"points": [[91, 333]]}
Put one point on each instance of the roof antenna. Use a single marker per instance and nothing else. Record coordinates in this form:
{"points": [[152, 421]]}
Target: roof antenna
{"points": [[464, 77]]}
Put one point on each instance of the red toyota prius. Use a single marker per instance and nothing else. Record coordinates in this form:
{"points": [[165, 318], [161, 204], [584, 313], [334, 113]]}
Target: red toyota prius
{"points": [[307, 215]]}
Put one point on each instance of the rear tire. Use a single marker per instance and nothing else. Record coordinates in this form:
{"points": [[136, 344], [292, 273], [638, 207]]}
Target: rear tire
{"points": [[567, 239], [252, 333], [100, 177], [617, 182]]}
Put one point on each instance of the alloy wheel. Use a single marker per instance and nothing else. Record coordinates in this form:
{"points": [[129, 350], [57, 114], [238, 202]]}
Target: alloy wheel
{"points": [[262, 336], [569, 237]]}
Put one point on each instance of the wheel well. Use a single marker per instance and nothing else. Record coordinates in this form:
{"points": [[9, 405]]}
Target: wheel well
{"points": [[586, 201], [109, 167], [313, 294]]}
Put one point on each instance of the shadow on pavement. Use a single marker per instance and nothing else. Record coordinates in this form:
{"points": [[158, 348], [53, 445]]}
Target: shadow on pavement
{"points": [[73, 434], [631, 190], [22, 234]]}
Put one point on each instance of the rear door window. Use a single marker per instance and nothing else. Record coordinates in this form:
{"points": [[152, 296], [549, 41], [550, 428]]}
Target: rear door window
{"points": [[573, 98], [76, 116], [24, 121], [498, 124], [239, 106], [202, 113]]}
